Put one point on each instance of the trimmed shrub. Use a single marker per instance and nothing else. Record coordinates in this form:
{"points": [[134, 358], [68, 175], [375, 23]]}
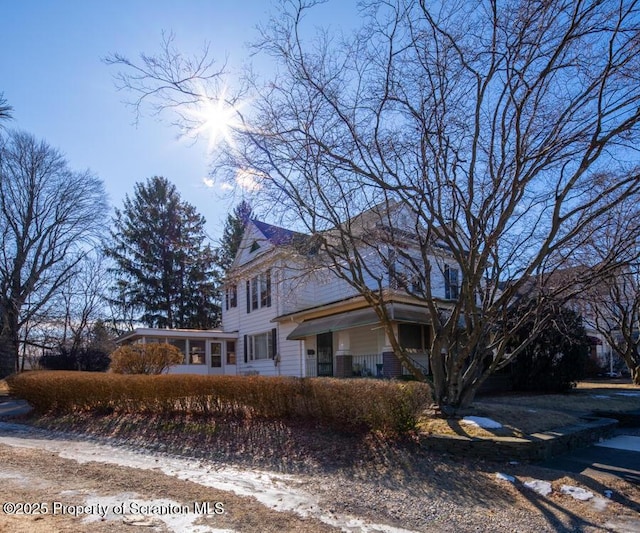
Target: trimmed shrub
{"points": [[153, 358], [346, 405]]}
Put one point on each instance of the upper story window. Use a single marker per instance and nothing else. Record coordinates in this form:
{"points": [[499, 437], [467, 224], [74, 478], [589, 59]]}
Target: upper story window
{"points": [[451, 283], [259, 291], [231, 297]]}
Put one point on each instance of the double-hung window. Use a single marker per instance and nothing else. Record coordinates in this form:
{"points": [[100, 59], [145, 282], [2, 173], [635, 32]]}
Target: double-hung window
{"points": [[259, 291], [231, 297], [260, 346], [451, 283]]}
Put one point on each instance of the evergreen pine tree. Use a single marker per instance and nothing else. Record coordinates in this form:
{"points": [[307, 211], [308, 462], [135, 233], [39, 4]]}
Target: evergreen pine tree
{"points": [[164, 268], [232, 235]]}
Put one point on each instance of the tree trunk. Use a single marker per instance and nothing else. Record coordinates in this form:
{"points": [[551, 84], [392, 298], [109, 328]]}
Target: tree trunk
{"points": [[8, 355], [9, 342], [635, 374]]}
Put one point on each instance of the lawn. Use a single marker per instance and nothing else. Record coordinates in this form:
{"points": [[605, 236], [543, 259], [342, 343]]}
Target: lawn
{"points": [[523, 414]]}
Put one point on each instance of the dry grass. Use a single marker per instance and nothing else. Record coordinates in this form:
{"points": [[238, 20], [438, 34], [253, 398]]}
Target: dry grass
{"points": [[4, 388], [517, 421], [586, 398], [524, 414]]}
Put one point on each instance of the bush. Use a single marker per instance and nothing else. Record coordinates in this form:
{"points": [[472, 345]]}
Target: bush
{"points": [[145, 358], [341, 404], [85, 359]]}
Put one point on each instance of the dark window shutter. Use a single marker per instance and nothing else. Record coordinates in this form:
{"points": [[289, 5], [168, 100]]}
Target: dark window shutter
{"points": [[274, 343], [268, 299], [248, 296], [246, 350]]}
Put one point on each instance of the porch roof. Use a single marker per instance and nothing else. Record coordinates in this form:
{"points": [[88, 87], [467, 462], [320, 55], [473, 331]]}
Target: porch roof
{"points": [[360, 317]]}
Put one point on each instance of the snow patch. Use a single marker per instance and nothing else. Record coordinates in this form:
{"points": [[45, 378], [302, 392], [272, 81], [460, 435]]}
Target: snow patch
{"points": [[599, 504], [633, 394], [576, 493], [622, 442], [174, 520], [275, 491], [505, 477], [541, 487], [479, 421]]}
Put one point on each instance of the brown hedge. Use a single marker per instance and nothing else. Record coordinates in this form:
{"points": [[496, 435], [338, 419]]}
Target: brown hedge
{"points": [[343, 404], [145, 358]]}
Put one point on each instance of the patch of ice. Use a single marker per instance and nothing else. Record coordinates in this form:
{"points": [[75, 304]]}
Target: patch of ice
{"points": [[505, 477], [576, 493], [622, 442], [275, 491], [480, 421], [148, 513], [541, 487], [626, 393], [601, 396], [608, 493]]}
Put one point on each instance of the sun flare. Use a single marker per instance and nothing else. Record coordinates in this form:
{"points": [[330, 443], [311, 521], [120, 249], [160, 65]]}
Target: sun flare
{"points": [[215, 119]]}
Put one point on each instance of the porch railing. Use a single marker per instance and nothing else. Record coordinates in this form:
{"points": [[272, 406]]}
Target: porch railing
{"points": [[367, 365]]}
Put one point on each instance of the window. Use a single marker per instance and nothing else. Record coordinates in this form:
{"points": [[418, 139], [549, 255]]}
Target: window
{"points": [[216, 355], [260, 346], [265, 289], [451, 283], [181, 344], [231, 297], [255, 246], [413, 337], [259, 292], [196, 352], [254, 293], [231, 352]]}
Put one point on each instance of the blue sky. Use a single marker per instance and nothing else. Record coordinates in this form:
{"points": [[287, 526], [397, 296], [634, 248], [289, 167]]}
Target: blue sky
{"points": [[53, 75]]}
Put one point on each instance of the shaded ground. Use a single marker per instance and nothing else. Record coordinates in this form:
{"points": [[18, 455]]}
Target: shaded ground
{"points": [[325, 482], [362, 482]]}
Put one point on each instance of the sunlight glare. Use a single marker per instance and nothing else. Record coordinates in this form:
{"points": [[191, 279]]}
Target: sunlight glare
{"points": [[215, 119]]}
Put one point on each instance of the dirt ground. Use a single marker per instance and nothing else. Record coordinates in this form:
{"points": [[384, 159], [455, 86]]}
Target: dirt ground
{"points": [[357, 486], [85, 473]]}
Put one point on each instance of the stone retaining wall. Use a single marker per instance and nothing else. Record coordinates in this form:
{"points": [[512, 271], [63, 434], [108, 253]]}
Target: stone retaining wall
{"points": [[536, 447]]}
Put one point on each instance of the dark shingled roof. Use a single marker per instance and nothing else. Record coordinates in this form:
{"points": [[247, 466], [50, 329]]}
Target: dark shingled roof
{"points": [[278, 235]]}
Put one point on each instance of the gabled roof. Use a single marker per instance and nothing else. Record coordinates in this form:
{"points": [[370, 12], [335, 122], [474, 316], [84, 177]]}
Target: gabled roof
{"points": [[277, 235]]}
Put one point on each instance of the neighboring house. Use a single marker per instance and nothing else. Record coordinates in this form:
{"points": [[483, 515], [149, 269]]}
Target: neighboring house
{"points": [[581, 290], [285, 313]]}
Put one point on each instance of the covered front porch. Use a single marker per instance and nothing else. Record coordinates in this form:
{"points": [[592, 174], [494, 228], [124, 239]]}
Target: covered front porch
{"points": [[355, 344]]}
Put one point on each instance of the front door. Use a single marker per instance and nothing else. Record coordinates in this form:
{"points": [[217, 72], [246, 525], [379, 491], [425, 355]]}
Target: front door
{"points": [[215, 350], [325, 354]]}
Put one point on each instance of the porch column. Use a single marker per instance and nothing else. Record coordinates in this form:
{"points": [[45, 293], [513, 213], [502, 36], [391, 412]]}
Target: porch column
{"points": [[344, 361]]}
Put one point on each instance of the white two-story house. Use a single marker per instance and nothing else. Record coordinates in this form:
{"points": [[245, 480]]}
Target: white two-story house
{"points": [[294, 317], [285, 313]]}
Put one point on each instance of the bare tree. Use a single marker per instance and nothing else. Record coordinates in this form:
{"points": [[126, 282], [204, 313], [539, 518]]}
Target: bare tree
{"points": [[82, 301], [612, 305], [50, 218], [507, 130], [5, 110]]}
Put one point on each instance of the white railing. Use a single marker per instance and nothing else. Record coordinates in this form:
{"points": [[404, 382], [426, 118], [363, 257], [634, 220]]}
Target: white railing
{"points": [[367, 365]]}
